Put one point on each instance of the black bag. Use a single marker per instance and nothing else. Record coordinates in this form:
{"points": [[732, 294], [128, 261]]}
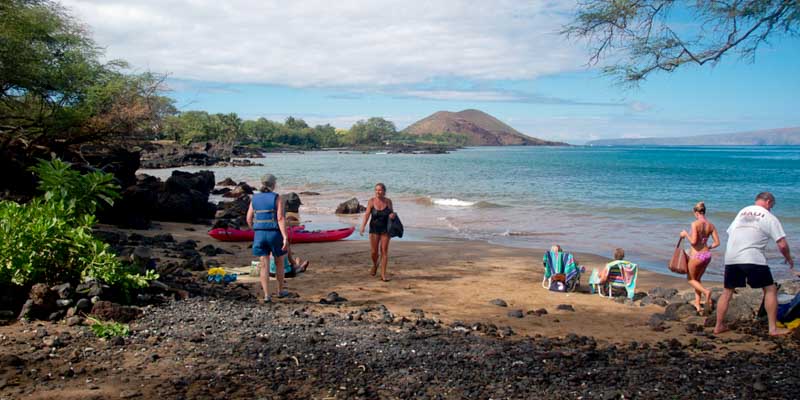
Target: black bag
{"points": [[395, 227]]}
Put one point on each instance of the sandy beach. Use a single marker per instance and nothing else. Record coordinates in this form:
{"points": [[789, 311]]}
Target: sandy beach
{"points": [[455, 281]]}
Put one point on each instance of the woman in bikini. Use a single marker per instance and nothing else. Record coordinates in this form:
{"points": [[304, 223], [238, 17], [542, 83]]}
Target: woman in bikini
{"points": [[700, 255], [379, 211]]}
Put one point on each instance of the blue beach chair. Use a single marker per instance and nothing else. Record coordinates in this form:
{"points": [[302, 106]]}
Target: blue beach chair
{"points": [[560, 266]]}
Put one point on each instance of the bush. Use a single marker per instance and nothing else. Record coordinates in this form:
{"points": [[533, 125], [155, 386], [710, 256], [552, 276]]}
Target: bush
{"points": [[108, 329], [49, 239]]}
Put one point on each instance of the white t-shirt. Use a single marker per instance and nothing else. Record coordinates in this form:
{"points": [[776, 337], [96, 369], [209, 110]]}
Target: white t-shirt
{"points": [[749, 235]]}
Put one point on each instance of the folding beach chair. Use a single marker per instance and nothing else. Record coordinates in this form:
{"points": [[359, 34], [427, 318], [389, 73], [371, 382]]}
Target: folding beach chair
{"points": [[619, 274], [560, 266]]}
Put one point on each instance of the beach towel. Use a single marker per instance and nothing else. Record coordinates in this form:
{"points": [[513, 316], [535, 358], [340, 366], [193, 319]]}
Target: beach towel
{"points": [[619, 273], [561, 263]]}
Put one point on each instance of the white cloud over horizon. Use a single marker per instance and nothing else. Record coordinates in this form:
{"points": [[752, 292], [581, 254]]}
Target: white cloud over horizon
{"points": [[351, 43]]}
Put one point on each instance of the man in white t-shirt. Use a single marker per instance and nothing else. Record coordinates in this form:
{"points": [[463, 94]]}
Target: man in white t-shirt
{"points": [[746, 260]]}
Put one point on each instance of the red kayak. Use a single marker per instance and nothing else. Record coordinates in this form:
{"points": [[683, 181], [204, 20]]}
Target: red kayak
{"points": [[297, 234]]}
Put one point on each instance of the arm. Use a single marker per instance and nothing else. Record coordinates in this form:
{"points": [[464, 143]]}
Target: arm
{"points": [[692, 238], [282, 222], [250, 213], [783, 246], [715, 235], [367, 213]]}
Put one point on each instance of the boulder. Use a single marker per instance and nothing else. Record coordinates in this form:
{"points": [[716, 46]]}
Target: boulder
{"points": [[106, 310], [227, 182], [351, 206], [662, 293], [241, 190], [743, 307], [679, 311], [64, 290]]}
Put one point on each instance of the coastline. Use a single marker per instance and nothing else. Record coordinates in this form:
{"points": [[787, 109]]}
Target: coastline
{"points": [[455, 280]]}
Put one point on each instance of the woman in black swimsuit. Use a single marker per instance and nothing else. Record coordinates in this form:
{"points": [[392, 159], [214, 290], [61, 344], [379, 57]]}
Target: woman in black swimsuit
{"points": [[379, 211]]}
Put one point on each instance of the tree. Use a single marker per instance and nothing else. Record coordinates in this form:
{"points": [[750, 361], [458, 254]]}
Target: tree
{"points": [[54, 89], [654, 37], [375, 130]]}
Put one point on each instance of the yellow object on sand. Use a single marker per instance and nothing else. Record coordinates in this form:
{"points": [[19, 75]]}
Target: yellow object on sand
{"points": [[217, 271], [791, 324]]}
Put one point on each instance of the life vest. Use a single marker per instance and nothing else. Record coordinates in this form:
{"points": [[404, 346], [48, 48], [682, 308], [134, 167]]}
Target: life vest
{"points": [[265, 206]]}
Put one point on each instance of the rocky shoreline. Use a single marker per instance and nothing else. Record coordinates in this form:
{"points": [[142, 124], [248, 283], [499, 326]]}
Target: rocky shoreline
{"points": [[216, 347]]}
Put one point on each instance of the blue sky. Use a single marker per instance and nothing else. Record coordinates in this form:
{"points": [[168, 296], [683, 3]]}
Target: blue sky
{"points": [[339, 62]]}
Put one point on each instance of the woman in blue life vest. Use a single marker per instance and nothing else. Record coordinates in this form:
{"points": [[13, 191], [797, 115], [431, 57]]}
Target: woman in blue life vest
{"points": [[379, 211], [265, 217]]}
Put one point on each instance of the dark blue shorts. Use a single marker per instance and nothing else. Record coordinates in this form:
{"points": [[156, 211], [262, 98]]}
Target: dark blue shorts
{"points": [[757, 276], [268, 242]]}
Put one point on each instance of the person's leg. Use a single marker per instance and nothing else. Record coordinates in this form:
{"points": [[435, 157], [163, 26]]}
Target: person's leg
{"points": [[722, 308], [264, 275], [279, 273], [384, 254], [374, 240], [771, 305], [696, 269]]}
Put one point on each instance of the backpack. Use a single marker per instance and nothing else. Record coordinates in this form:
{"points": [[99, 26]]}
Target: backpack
{"points": [[789, 311]]}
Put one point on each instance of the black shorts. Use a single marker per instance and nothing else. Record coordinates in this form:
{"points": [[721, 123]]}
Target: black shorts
{"points": [[754, 275]]}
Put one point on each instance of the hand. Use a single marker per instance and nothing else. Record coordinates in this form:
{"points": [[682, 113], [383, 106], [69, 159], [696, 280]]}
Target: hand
{"points": [[361, 232], [391, 215], [285, 244], [684, 234]]}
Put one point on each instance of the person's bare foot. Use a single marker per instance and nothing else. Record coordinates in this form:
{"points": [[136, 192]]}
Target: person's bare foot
{"points": [[709, 306], [720, 329], [304, 266], [385, 279], [374, 270], [779, 332]]}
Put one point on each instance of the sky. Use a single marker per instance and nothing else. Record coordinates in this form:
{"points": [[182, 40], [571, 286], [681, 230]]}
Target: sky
{"points": [[340, 62]]}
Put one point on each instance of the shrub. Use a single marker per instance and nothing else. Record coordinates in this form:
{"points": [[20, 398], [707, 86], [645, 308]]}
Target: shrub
{"points": [[108, 329], [49, 239]]}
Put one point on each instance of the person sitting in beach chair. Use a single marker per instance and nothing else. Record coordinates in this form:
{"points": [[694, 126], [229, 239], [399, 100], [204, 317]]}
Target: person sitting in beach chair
{"points": [[561, 271], [616, 274], [292, 265]]}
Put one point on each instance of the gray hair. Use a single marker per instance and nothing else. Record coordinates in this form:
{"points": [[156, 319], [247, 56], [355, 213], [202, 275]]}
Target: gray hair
{"points": [[766, 196]]}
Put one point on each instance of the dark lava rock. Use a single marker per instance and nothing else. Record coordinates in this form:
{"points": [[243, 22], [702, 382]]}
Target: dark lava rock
{"points": [[662, 293], [91, 288], [499, 302], [565, 307], [332, 298], [309, 193], [227, 182], [10, 360], [657, 322], [516, 314], [64, 290], [351, 206], [83, 305], [107, 310], [679, 311], [194, 264]]}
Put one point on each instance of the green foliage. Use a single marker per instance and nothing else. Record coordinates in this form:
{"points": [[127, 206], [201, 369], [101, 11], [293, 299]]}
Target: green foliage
{"points": [[53, 86], [108, 329], [654, 37], [374, 131], [50, 238], [81, 193]]}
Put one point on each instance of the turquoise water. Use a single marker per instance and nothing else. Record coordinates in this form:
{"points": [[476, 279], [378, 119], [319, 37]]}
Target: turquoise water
{"points": [[589, 199]]}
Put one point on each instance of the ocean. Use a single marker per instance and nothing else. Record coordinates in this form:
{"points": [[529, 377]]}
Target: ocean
{"points": [[587, 199]]}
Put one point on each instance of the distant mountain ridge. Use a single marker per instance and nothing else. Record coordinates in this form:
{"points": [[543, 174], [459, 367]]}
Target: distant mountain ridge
{"points": [[480, 128], [766, 137]]}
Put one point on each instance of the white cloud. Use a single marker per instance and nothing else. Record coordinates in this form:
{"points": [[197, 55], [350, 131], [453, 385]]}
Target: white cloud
{"points": [[343, 43]]}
